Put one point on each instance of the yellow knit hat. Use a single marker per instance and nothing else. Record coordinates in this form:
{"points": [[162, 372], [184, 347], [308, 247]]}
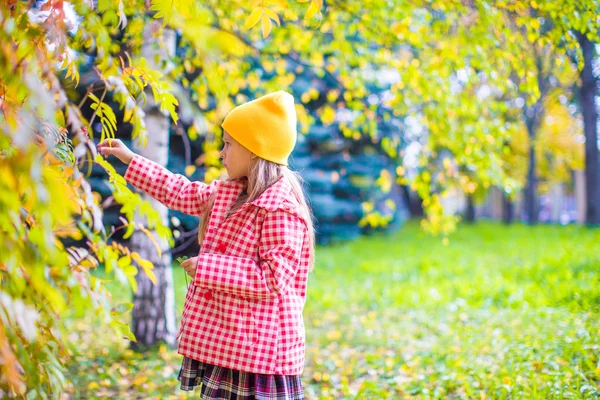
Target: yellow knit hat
{"points": [[265, 126]]}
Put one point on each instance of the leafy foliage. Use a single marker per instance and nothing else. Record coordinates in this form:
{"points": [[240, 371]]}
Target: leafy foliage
{"points": [[412, 64], [398, 62], [48, 210]]}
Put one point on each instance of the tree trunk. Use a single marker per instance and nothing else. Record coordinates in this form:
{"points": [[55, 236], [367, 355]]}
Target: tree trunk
{"points": [[533, 117], [590, 121], [153, 315], [413, 201], [470, 211], [507, 208], [531, 189]]}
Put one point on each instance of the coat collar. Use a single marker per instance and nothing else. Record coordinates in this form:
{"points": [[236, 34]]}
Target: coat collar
{"points": [[272, 198]]}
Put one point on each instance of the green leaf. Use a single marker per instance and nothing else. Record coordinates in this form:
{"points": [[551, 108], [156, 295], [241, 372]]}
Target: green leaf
{"points": [[168, 102], [123, 308]]}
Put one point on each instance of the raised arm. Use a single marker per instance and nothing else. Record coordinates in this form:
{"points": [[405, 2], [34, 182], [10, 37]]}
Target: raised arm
{"points": [[173, 190]]}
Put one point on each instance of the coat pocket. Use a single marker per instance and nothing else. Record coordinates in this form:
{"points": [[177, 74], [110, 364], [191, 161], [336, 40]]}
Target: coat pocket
{"points": [[236, 318]]}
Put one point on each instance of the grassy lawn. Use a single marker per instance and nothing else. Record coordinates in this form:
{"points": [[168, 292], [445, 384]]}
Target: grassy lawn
{"points": [[500, 312]]}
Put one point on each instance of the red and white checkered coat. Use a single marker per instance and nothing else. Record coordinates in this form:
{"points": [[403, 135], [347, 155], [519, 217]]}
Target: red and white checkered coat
{"points": [[244, 308]]}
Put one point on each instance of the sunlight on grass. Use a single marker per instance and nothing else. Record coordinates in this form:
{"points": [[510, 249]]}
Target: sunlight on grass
{"points": [[500, 312]]}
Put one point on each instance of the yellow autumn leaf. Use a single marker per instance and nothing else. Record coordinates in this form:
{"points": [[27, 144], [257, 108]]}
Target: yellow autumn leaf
{"points": [[398, 28], [313, 93], [147, 266], [332, 95], [253, 18], [334, 335], [328, 115], [139, 380], [230, 44], [281, 67], [67, 230], [268, 66], [190, 169], [272, 15], [315, 6], [253, 81], [266, 26], [152, 238]]}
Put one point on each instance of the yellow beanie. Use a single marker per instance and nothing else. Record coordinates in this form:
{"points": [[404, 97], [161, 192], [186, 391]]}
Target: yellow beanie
{"points": [[265, 126]]}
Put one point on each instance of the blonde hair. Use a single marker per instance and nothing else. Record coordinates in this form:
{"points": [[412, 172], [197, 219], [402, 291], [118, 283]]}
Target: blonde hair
{"points": [[262, 175]]}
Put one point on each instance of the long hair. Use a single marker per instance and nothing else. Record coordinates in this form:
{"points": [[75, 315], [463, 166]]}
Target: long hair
{"points": [[262, 175]]}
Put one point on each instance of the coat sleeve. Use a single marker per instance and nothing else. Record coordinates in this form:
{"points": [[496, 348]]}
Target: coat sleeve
{"points": [[280, 255], [173, 190]]}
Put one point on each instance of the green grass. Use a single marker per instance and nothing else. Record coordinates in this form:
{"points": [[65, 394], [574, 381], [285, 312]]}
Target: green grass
{"points": [[500, 312]]}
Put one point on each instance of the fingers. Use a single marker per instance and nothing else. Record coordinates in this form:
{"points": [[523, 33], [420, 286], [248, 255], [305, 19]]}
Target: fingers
{"points": [[189, 266], [190, 270], [112, 146], [110, 142], [107, 149], [104, 150], [189, 262]]}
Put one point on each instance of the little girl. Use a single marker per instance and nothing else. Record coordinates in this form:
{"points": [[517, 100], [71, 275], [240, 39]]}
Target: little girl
{"points": [[242, 331]]}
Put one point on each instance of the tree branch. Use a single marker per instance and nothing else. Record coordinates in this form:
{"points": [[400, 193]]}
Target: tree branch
{"points": [[99, 104]]}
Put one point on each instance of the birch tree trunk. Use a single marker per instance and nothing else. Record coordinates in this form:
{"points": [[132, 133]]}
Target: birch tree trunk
{"points": [[153, 315], [589, 90]]}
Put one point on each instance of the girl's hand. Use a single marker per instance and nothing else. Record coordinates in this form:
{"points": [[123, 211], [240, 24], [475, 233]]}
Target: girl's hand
{"points": [[117, 149], [190, 265]]}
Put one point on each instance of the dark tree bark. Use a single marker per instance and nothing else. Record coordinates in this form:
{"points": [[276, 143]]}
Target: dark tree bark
{"points": [[470, 211], [589, 90], [413, 202], [531, 208], [507, 209]]}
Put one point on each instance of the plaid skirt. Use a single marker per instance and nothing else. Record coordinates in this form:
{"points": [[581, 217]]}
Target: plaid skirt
{"points": [[227, 384]]}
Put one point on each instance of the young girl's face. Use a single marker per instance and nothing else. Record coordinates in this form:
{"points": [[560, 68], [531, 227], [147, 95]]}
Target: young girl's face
{"points": [[236, 158]]}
